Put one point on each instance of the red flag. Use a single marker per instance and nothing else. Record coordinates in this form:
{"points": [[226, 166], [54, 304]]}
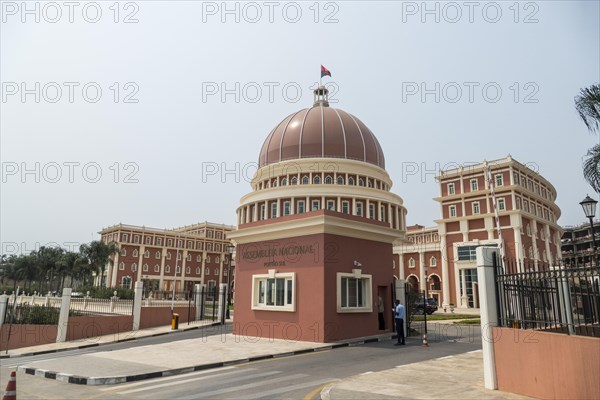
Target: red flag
{"points": [[325, 72]]}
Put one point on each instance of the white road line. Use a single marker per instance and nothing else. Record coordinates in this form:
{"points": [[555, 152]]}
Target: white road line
{"points": [[270, 393], [169, 378], [202, 378], [444, 358], [367, 373], [474, 351], [212, 393]]}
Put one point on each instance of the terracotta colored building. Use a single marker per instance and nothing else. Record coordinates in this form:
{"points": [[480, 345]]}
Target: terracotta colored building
{"points": [[315, 234], [469, 198], [187, 255]]}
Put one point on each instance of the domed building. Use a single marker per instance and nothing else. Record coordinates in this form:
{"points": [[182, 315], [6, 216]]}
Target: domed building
{"points": [[315, 234]]}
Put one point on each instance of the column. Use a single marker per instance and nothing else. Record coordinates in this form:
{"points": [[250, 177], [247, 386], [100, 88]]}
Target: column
{"points": [[421, 269], [293, 206], [339, 204], [445, 272], [489, 313]]}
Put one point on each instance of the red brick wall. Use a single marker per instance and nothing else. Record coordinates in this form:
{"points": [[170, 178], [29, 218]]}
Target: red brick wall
{"points": [[27, 335]]}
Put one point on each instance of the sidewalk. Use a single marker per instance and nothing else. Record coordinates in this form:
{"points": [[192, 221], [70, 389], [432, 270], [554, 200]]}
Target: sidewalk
{"points": [[452, 377]]}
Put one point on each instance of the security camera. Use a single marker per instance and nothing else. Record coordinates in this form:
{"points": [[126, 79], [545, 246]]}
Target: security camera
{"points": [[357, 264]]}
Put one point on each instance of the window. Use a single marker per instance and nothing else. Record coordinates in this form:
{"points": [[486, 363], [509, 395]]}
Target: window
{"points": [[411, 263], [286, 208], [474, 185], [209, 234], [466, 253], [316, 179], [216, 271], [316, 205], [346, 207], [188, 270], [273, 210], [452, 211], [518, 200], [157, 255], [274, 291], [157, 268], [178, 255], [217, 259], [167, 269], [206, 271], [189, 257], [499, 180], [283, 181], [262, 211], [528, 230], [136, 238], [331, 205], [372, 211], [351, 181], [382, 213], [516, 177], [133, 267], [361, 182], [294, 180], [328, 180], [305, 180], [526, 205], [159, 241], [121, 266], [301, 206], [340, 180], [197, 270], [476, 209], [432, 262], [359, 209], [134, 253], [177, 269], [370, 183], [148, 239], [274, 183], [207, 259], [126, 282], [353, 292], [198, 258], [170, 242], [123, 252], [501, 205], [125, 237], [530, 252], [451, 188], [168, 256], [146, 254]]}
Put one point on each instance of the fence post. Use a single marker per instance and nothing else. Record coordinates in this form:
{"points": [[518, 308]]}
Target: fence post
{"points": [[137, 304], [564, 299], [3, 308], [198, 301], [63, 319], [222, 302], [489, 311]]}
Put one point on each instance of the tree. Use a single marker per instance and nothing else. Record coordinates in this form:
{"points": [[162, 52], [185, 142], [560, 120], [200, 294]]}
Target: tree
{"points": [[587, 104], [98, 255]]}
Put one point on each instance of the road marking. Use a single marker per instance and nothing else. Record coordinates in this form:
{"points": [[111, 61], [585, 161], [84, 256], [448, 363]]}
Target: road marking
{"points": [[316, 391], [474, 351], [169, 378], [279, 379], [367, 373], [202, 378], [270, 393], [444, 358]]}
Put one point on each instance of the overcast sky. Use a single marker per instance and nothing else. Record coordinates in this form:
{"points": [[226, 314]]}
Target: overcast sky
{"points": [[153, 113]]}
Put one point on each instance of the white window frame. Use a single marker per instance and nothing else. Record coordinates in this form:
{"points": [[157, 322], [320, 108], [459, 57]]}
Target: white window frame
{"points": [[301, 206], [452, 211], [259, 302], [474, 185], [359, 209], [411, 263], [314, 203], [499, 180], [346, 206], [501, 205], [451, 189], [287, 210], [157, 268], [476, 208], [330, 205], [367, 292], [433, 262]]}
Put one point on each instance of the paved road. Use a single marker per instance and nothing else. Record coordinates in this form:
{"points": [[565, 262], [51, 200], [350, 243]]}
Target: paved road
{"points": [[295, 377]]}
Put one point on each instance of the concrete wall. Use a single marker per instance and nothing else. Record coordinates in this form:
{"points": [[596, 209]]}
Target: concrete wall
{"points": [[27, 335], [90, 327], [161, 316], [547, 365]]}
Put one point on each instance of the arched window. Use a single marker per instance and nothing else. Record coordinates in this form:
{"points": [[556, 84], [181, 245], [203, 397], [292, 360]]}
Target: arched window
{"points": [[121, 266], [316, 179], [411, 263], [305, 180], [328, 180], [188, 270], [340, 180], [126, 282], [284, 182], [134, 253], [157, 268], [294, 181], [145, 268], [197, 270], [167, 269], [206, 271], [432, 261], [157, 255], [351, 181], [146, 254], [216, 271], [361, 182], [133, 267]]}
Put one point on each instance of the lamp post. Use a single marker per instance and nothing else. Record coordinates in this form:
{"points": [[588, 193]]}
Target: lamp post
{"points": [[425, 343], [589, 209], [229, 250]]}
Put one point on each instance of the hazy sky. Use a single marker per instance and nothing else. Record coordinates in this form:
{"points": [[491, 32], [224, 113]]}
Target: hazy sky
{"points": [[153, 113]]}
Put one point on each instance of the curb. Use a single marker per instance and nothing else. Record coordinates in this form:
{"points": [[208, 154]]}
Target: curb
{"points": [[85, 346], [111, 380]]}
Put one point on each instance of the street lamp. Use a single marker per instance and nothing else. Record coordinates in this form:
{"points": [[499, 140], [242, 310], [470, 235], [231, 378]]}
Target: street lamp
{"points": [[425, 343], [229, 249], [589, 209]]}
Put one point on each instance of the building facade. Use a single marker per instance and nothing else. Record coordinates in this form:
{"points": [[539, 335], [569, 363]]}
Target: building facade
{"points": [[501, 201], [161, 258], [578, 244], [315, 234]]}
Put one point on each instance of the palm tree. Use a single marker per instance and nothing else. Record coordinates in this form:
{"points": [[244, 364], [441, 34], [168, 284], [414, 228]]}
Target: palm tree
{"points": [[68, 265], [98, 255], [587, 104]]}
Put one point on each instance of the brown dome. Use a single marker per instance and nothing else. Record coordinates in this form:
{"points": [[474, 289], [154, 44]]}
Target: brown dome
{"points": [[321, 132]]}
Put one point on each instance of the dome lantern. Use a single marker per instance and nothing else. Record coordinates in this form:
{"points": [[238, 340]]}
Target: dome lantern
{"points": [[321, 97]]}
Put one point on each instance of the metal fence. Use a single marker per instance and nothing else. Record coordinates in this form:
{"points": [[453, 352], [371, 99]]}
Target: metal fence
{"points": [[25, 313], [546, 297], [88, 306]]}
